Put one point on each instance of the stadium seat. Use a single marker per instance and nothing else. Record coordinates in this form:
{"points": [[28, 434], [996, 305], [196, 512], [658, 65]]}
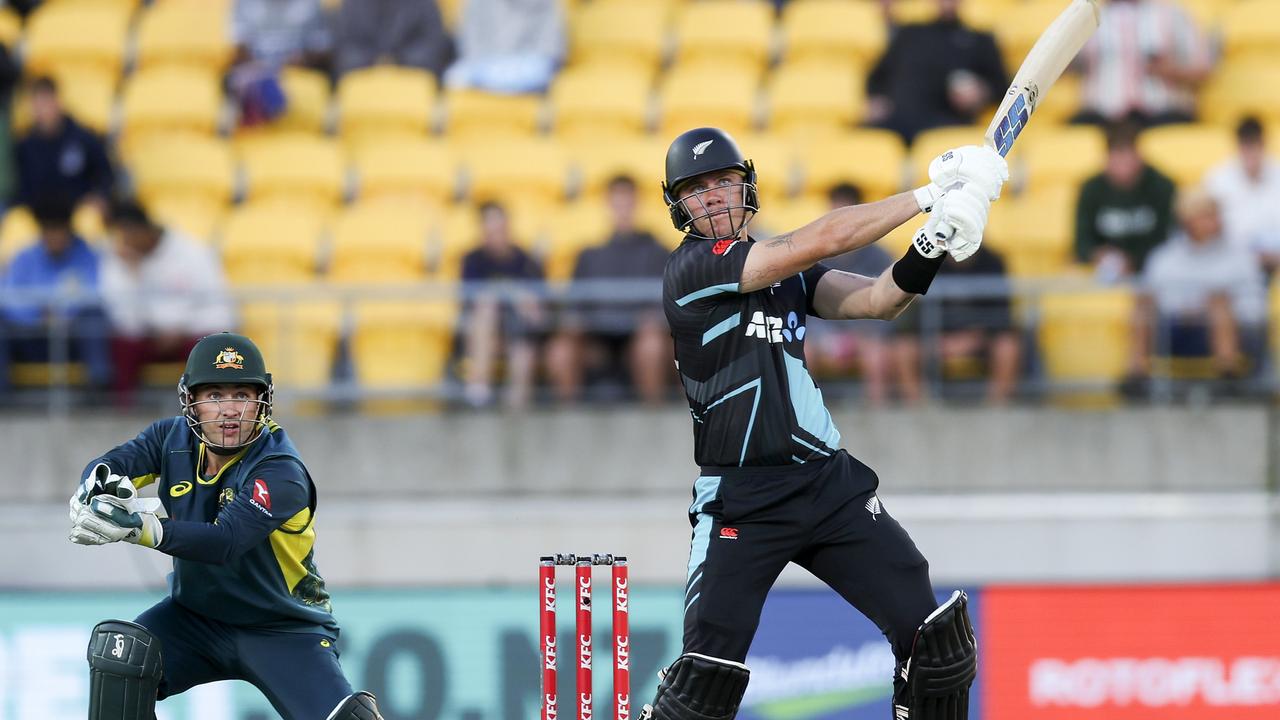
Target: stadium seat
{"points": [[807, 99], [932, 143], [307, 100], [184, 33], [384, 98], [88, 94], [402, 345], [642, 158], [724, 29], [517, 171], [1059, 156], [406, 168], [10, 27], [380, 242], [188, 166], [1231, 92], [574, 227], [18, 230], [833, 31], [595, 101], [1084, 337], [455, 233], [619, 30], [1251, 28], [478, 114], [786, 215], [70, 35], [198, 217], [871, 159], [1058, 106], [774, 160], [701, 95], [167, 99], [268, 245], [1186, 152], [298, 339], [1020, 26], [299, 168], [1034, 231]]}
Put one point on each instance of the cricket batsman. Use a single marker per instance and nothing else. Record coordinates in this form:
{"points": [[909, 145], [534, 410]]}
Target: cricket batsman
{"points": [[775, 486], [246, 601]]}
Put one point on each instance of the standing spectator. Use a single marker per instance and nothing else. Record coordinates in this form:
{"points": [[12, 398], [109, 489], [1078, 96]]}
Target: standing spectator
{"points": [[838, 348], [504, 311], [1207, 293], [604, 336], [934, 74], [1144, 63], [410, 34], [979, 328], [162, 292], [508, 46], [60, 162], [1123, 212], [1247, 188], [61, 266]]}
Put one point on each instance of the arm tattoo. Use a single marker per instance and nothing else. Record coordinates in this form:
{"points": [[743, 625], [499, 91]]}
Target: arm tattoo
{"points": [[783, 239]]}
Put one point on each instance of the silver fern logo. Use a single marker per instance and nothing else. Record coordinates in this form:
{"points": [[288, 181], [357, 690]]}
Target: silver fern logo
{"points": [[873, 507], [701, 148]]}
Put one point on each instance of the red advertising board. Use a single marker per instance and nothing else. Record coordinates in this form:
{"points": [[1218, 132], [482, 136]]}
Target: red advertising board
{"points": [[1193, 652]]}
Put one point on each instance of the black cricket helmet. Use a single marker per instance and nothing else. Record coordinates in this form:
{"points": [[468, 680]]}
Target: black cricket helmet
{"points": [[704, 150], [226, 359]]}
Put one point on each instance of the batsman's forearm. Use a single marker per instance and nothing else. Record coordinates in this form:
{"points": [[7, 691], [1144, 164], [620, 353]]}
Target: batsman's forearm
{"points": [[850, 228]]}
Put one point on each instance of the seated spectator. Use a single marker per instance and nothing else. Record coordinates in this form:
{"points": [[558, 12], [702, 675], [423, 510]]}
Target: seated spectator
{"points": [[1207, 293], [63, 267], [1247, 188], [504, 312], [1123, 212], [972, 329], [373, 32], [934, 74], [1144, 64], [60, 161], [839, 348], [606, 336], [162, 292], [508, 46], [270, 34]]}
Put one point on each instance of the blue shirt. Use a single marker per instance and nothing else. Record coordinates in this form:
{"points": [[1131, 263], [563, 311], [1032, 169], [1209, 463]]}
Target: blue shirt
{"points": [[36, 269]]}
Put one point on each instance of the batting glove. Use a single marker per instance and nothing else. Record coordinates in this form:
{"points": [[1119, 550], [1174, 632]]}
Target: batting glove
{"points": [[970, 165], [958, 221]]}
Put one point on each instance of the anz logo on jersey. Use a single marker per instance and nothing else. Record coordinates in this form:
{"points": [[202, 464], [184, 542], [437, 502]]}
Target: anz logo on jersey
{"points": [[772, 329]]}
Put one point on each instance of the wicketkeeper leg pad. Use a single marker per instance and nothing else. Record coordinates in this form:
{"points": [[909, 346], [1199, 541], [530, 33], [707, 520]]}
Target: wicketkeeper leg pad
{"points": [[942, 666], [360, 706], [124, 671], [699, 687]]}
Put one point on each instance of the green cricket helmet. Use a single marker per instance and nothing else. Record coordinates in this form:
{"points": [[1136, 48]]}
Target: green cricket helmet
{"points": [[226, 359]]}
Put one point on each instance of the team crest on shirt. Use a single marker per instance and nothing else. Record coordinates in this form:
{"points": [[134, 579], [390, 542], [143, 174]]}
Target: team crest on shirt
{"points": [[225, 497], [261, 497], [229, 358]]}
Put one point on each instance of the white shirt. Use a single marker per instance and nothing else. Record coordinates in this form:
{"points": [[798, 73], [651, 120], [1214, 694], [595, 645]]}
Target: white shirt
{"points": [[1250, 208], [1182, 275], [178, 288]]}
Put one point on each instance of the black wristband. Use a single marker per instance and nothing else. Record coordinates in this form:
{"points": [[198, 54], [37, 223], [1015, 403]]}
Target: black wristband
{"points": [[915, 272]]}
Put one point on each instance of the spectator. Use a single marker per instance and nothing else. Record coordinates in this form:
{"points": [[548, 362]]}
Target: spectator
{"points": [[411, 34], [509, 317], [64, 268], [934, 74], [162, 292], [979, 328], [1247, 188], [270, 34], [839, 348], [604, 336], [508, 46], [1123, 212], [59, 161], [1207, 293], [1144, 63]]}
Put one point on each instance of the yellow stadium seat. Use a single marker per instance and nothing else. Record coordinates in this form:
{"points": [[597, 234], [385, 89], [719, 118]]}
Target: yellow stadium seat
{"points": [[1207, 14], [775, 163], [184, 166], [701, 96], [380, 242], [455, 233], [267, 245], [612, 30], [306, 95], [87, 94], [871, 159], [18, 230], [184, 33], [479, 114], [1058, 106], [1034, 231], [932, 143], [385, 98], [195, 216], [1232, 92], [909, 12], [1060, 156], [303, 168], [61, 35], [166, 99], [402, 345], [722, 29], [809, 98], [833, 30], [791, 214], [514, 170], [451, 12], [1186, 152], [574, 227], [1020, 26], [592, 101], [1084, 337], [1251, 27], [298, 339], [643, 159], [10, 27], [406, 168]]}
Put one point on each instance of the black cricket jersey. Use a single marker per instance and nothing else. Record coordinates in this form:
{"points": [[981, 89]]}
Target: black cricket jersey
{"points": [[741, 359], [242, 541]]}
